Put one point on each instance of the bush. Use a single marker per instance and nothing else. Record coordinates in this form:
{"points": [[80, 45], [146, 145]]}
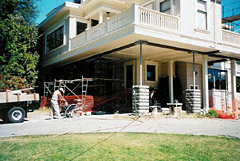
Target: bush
{"points": [[212, 114]]}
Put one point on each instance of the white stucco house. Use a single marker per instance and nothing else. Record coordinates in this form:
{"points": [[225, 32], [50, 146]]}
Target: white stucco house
{"points": [[121, 43]]}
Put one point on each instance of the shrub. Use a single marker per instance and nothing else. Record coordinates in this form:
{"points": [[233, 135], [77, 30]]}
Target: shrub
{"points": [[212, 114]]}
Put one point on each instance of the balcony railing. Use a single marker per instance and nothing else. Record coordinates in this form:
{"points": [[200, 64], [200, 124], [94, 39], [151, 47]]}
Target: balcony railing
{"points": [[134, 15], [157, 19], [231, 37]]}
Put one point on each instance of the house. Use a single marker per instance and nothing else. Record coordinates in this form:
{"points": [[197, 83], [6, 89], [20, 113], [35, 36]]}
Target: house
{"points": [[175, 46]]}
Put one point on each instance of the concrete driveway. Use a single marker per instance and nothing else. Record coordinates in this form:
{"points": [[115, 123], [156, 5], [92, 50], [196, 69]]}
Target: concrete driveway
{"points": [[121, 123]]}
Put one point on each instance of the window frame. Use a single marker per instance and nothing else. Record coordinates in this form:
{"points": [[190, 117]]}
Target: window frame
{"points": [[153, 63], [51, 31], [199, 10], [168, 9], [218, 78]]}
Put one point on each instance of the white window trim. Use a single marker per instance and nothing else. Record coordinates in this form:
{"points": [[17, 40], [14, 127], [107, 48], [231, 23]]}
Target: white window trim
{"points": [[147, 62], [53, 29], [133, 62], [197, 29]]}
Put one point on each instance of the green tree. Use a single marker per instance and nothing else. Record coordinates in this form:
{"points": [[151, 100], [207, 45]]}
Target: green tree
{"points": [[18, 41]]}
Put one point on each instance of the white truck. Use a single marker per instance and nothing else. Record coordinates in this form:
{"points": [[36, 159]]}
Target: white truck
{"points": [[14, 105]]}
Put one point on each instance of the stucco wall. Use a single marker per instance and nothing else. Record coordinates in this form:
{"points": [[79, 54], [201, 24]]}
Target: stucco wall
{"points": [[189, 18]]}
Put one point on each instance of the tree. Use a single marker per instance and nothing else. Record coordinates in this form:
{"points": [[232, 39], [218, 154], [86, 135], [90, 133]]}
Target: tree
{"points": [[18, 41]]}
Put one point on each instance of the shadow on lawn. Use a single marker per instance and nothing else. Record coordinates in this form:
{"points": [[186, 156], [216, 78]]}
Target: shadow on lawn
{"points": [[102, 141]]}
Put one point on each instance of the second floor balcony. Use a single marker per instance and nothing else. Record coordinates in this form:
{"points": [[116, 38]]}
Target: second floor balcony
{"points": [[135, 15], [145, 24]]}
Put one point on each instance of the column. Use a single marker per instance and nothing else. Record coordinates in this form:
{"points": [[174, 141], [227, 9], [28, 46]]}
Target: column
{"points": [[233, 84], [170, 80], [72, 27], [89, 24], [194, 72], [100, 19], [205, 82], [140, 72]]}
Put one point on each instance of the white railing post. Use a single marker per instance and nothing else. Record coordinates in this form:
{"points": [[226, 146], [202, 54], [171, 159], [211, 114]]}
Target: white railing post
{"points": [[86, 39], [106, 26], [135, 13]]}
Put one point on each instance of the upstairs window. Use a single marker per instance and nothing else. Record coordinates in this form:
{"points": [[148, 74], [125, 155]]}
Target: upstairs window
{"points": [[217, 78], [94, 22], [55, 39], [81, 27], [165, 6], [79, 1], [201, 15]]}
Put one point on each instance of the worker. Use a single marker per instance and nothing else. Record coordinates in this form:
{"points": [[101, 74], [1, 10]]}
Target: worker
{"points": [[56, 98], [152, 97]]}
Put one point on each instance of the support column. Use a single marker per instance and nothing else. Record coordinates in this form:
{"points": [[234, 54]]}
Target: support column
{"points": [[233, 84], [194, 71], [100, 19], [89, 24], [140, 72], [205, 82], [170, 80]]}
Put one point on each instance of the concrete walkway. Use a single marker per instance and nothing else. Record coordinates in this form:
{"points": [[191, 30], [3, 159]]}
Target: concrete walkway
{"points": [[109, 123]]}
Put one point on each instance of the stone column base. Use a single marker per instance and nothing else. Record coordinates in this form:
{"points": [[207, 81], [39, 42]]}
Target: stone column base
{"points": [[141, 99], [193, 100]]}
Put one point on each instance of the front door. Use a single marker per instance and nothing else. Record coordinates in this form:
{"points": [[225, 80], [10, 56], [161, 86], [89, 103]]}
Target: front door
{"points": [[129, 74], [129, 81]]}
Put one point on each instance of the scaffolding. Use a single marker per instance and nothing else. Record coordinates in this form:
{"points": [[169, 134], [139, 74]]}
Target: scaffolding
{"points": [[50, 87], [230, 18]]}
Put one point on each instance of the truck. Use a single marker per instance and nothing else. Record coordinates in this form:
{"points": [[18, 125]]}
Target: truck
{"points": [[15, 104]]}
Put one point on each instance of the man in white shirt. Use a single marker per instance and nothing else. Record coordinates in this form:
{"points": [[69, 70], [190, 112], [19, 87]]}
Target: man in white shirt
{"points": [[57, 97]]}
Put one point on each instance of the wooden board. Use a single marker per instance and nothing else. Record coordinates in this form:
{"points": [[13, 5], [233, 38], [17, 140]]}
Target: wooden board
{"points": [[7, 97]]}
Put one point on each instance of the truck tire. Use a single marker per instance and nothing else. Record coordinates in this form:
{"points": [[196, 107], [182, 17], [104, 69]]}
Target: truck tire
{"points": [[16, 115]]}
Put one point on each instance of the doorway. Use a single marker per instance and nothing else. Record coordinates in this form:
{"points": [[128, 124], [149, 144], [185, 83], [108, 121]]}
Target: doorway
{"points": [[129, 74]]}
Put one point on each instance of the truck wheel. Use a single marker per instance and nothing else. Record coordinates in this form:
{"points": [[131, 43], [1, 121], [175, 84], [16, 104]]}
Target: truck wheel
{"points": [[16, 114]]}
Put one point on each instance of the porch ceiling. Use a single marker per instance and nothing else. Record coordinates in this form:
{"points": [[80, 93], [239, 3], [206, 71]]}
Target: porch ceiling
{"points": [[156, 54]]}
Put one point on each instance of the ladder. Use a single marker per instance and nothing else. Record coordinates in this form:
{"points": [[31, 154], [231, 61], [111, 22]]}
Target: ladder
{"points": [[48, 86], [84, 89]]}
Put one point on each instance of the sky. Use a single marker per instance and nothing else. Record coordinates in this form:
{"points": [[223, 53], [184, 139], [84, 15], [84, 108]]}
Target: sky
{"points": [[45, 6]]}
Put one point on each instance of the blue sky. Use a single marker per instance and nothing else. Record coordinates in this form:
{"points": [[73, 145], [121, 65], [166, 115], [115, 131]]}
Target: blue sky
{"points": [[45, 6]]}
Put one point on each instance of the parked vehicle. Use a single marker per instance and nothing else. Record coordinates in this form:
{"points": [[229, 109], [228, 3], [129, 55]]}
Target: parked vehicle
{"points": [[14, 105]]}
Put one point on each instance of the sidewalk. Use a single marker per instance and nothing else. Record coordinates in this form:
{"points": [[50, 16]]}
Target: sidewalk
{"points": [[122, 123]]}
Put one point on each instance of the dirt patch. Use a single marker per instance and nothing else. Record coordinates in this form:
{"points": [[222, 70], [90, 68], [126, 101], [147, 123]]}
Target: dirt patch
{"points": [[40, 114]]}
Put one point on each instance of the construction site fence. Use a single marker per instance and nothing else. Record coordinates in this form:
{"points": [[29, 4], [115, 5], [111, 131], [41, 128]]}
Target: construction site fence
{"points": [[224, 115]]}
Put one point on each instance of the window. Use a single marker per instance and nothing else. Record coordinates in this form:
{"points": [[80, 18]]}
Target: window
{"points": [[151, 73], [81, 27], [79, 1], [94, 22], [55, 39], [217, 78], [165, 6], [238, 84], [201, 15]]}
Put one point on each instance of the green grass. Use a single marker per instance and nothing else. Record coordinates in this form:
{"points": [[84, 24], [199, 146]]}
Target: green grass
{"points": [[119, 146]]}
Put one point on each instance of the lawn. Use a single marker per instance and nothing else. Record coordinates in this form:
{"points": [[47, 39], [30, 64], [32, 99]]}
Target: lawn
{"points": [[119, 146]]}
